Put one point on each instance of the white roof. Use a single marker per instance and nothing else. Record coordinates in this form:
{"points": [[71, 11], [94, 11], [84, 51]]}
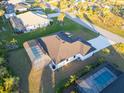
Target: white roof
{"points": [[100, 42], [31, 19], [15, 1]]}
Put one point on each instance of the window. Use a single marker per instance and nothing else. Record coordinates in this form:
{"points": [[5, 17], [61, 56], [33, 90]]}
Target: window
{"points": [[74, 56]]}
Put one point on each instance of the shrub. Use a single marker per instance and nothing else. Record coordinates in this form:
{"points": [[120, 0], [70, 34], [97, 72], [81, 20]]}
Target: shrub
{"points": [[106, 51], [100, 60], [70, 81], [73, 91], [120, 48]]}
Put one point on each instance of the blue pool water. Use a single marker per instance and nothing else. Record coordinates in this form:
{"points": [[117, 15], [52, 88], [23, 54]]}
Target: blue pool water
{"points": [[103, 78]]}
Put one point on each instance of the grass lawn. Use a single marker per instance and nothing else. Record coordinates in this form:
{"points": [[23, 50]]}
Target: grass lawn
{"points": [[115, 57], [49, 11], [55, 27], [19, 62]]}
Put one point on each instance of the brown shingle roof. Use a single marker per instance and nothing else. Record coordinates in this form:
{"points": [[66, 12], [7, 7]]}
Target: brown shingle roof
{"points": [[59, 49]]}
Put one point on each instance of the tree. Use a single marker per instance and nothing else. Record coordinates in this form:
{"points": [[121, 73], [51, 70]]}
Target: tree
{"points": [[88, 67], [2, 60], [73, 78], [1, 89], [11, 84], [61, 17], [13, 41], [8, 84], [1, 12], [3, 72]]}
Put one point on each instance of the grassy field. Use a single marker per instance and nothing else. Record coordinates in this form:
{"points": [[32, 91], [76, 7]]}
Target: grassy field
{"points": [[111, 22], [55, 27]]}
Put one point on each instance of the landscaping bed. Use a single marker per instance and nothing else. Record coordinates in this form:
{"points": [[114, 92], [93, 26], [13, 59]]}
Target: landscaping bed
{"points": [[70, 81]]}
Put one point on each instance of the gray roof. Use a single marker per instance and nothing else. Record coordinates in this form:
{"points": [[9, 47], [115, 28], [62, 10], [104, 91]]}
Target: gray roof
{"points": [[9, 8], [17, 24]]}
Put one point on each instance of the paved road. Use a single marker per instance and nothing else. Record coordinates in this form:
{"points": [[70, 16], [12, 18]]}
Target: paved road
{"points": [[105, 33]]}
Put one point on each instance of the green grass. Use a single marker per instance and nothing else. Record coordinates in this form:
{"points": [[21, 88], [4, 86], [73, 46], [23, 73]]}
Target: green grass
{"points": [[19, 62], [115, 57], [49, 11], [55, 27]]}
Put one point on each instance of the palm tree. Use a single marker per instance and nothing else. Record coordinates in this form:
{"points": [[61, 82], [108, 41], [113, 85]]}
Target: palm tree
{"points": [[3, 72], [1, 12], [73, 78], [88, 67], [13, 41]]}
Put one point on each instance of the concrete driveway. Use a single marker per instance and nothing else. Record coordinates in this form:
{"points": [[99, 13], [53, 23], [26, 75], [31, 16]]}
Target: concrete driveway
{"points": [[100, 42]]}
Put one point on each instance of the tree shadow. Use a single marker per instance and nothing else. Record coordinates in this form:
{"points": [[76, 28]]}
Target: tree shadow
{"points": [[47, 81], [89, 20]]}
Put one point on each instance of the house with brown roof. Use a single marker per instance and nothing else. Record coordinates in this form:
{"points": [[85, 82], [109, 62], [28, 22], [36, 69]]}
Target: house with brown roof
{"points": [[61, 48]]}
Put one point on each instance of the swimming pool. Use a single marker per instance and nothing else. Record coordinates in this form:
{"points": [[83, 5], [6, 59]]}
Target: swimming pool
{"points": [[98, 81], [103, 79]]}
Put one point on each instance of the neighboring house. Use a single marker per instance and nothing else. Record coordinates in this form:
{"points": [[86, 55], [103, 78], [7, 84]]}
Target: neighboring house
{"points": [[98, 79], [30, 1], [14, 2], [21, 7], [80, 0], [9, 11], [61, 48], [32, 21], [17, 24]]}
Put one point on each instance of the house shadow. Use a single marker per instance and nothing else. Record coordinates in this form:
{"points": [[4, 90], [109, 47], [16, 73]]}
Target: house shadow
{"points": [[47, 81], [89, 20]]}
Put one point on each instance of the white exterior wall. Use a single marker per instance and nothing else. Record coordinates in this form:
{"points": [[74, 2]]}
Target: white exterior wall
{"points": [[30, 28], [21, 9], [62, 63], [53, 15], [82, 58], [9, 15]]}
